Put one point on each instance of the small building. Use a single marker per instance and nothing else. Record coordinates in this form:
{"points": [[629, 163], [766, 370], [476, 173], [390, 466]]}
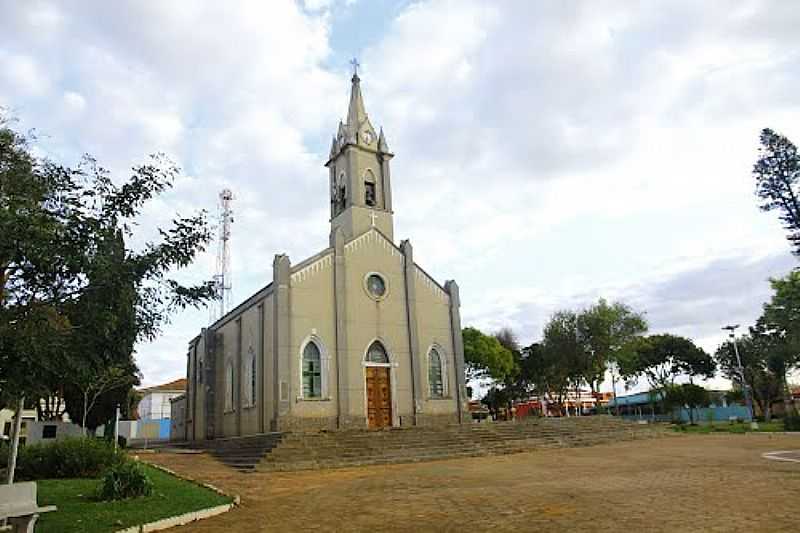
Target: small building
{"points": [[155, 411], [648, 406], [155, 400], [551, 405], [7, 422]]}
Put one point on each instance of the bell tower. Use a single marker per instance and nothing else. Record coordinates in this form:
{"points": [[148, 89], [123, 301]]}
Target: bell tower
{"points": [[360, 183]]}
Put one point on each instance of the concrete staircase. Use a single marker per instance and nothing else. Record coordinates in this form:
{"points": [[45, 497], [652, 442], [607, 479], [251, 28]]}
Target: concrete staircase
{"points": [[243, 453], [304, 451]]}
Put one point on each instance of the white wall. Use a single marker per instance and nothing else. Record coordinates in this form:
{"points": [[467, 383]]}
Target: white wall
{"points": [[156, 406]]}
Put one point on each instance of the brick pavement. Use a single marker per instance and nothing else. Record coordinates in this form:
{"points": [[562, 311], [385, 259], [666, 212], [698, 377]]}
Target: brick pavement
{"points": [[688, 483]]}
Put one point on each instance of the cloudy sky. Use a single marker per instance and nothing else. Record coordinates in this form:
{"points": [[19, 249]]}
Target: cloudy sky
{"points": [[547, 153]]}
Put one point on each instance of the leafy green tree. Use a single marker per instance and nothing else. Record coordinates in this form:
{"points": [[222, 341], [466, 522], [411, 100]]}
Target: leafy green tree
{"points": [[777, 172], [687, 395], [760, 365], [60, 248], [780, 322], [566, 353], [661, 359], [496, 400], [607, 330], [485, 357], [515, 385]]}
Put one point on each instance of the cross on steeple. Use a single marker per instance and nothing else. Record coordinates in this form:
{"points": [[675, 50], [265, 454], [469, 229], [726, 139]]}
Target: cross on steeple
{"points": [[373, 215], [355, 64]]}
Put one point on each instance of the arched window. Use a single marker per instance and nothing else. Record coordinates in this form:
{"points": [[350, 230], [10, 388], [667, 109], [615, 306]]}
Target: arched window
{"points": [[229, 386], [249, 381], [377, 353], [312, 371], [436, 381], [370, 195], [200, 371]]}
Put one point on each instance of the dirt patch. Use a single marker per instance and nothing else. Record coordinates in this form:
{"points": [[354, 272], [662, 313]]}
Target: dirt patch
{"points": [[692, 483]]}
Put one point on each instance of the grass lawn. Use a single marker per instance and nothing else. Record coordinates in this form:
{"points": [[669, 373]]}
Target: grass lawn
{"points": [[78, 511], [726, 427]]}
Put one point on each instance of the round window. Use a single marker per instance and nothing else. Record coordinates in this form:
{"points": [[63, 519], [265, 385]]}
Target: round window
{"points": [[376, 286]]}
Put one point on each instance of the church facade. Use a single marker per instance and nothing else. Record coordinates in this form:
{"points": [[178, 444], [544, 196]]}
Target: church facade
{"points": [[356, 336]]}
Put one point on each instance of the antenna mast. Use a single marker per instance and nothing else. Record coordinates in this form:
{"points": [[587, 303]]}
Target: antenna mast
{"points": [[222, 279]]}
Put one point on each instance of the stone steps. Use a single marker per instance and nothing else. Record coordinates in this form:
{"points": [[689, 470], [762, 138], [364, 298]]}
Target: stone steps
{"points": [[354, 448], [302, 451], [243, 453]]}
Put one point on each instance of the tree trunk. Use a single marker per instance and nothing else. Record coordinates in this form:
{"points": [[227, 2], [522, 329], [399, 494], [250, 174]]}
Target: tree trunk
{"points": [[788, 402], [85, 412], [12, 456], [768, 413]]}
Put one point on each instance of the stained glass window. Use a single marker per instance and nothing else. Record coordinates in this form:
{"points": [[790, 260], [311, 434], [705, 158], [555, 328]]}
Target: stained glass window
{"points": [[376, 285], [312, 371], [377, 353], [435, 374]]}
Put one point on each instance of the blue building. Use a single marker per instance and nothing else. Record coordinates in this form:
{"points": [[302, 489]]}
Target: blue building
{"points": [[648, 406]]}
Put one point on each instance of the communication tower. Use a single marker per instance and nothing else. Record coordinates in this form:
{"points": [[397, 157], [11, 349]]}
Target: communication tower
{"points": [[222, 278]]}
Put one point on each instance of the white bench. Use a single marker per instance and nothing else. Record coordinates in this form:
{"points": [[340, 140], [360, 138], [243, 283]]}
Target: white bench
{"points": [[18, 506]]}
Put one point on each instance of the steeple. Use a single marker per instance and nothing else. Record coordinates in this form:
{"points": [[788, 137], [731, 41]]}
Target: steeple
{"points": [[360, 185], [356, 114]]}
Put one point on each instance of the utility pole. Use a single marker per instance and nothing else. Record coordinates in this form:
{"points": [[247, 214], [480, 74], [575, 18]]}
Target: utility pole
{"points": [[613, 368], [12, 460], [116, 427], [745, 388]]}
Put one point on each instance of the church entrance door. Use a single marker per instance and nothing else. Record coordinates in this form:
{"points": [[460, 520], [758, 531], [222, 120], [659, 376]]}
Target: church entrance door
{"points": [[379, 397]]}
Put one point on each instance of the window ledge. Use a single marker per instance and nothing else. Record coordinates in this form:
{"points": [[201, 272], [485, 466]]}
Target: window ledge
{"points": [[248, 407], [301, 399], [440, 398]]}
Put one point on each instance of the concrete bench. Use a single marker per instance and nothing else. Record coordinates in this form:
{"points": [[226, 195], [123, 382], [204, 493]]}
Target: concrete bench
{"points": [[18, 506]]}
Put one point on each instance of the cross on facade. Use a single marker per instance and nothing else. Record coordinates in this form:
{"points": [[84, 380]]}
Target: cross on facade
{"points": [[373, 215], [355, 64]]}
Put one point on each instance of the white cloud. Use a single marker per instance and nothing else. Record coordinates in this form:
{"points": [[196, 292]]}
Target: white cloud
{"points": [[547, 153]]}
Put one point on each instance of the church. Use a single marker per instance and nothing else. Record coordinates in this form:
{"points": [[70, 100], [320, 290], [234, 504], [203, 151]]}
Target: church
{"points": [[357, 336]]}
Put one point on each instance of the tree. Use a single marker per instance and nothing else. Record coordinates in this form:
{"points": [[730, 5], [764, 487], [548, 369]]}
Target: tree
{"points": [[606, 330], [515, 386], [780, 322], [759, 366], [687, 395], [777, 171], [507, 339], [484, 356], [60, 229], [566, 353], [661, 359], [104, 325], [93, 383]]}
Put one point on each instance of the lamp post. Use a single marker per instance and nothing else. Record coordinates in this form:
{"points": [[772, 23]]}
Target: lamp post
{"points": [[613, 368], [745, 388]]}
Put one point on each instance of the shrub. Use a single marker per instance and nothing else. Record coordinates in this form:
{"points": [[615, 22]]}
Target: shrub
{"points": [[791, 422], [68, 458], [125, 480]]}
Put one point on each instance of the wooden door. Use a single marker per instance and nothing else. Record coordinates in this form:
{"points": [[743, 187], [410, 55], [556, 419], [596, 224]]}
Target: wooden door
{"points": [[379, 397]]}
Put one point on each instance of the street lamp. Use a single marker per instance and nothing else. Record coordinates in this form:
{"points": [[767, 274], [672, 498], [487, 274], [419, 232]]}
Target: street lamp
{"points": [[745, 389]]}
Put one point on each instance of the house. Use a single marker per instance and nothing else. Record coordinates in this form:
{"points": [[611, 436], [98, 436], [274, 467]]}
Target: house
{"points": [[155, 400]]}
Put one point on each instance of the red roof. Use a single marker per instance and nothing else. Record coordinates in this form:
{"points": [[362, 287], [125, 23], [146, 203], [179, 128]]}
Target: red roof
{"points": [[179, 385]]}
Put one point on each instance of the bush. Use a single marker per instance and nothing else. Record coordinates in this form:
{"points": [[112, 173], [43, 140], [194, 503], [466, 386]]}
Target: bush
{"points": [[68, 458], [791, 422], [125, 480]]}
